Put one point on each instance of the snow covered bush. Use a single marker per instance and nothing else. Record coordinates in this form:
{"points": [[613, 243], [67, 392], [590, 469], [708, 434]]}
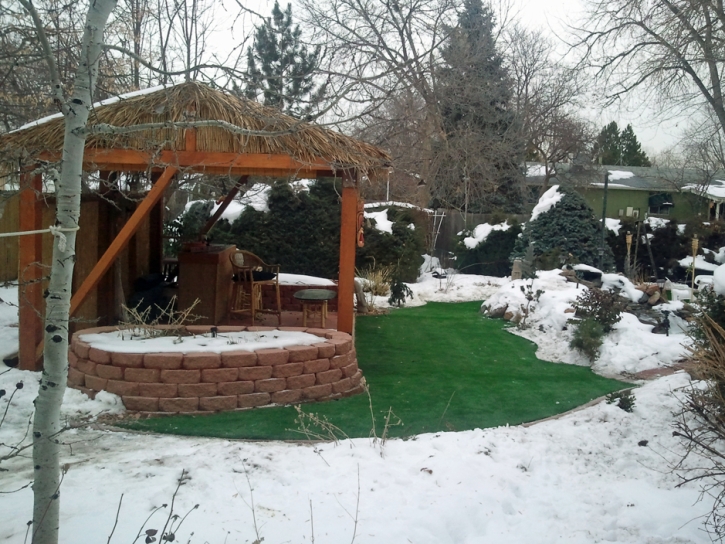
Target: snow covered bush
{"points": [[486, 249], [562, 219]]}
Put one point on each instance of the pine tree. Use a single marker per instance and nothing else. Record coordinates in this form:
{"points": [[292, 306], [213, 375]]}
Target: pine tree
{"points": [[609, 145], [632, 154], [569, 227], [478, 160], [280, 68]]}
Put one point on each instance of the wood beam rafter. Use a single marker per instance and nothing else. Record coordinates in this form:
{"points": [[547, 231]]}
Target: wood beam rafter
{"points": [[224, 205]]}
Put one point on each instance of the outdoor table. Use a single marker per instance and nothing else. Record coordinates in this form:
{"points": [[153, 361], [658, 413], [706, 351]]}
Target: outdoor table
{"points": [[312, 298]]}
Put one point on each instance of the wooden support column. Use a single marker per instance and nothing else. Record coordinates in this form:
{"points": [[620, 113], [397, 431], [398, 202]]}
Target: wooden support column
{"points": [[30, 296], [105, 262], [348, 245]]}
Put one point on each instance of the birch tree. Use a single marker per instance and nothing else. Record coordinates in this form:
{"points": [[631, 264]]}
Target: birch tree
{"points": [[75, 108]]}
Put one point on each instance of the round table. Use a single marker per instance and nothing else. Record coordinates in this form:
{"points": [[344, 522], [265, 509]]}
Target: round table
{"points": [[311, 298]]}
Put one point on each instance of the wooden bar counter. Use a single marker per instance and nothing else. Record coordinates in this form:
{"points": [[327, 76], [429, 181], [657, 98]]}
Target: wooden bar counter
{"points": [[206, 274]]}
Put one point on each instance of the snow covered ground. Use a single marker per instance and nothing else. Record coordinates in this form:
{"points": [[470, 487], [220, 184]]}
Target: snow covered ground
{"points": [[581, 478]]}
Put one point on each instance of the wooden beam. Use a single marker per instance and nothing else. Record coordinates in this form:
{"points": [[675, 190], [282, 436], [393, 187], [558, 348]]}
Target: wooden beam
{"points": [[348, 245], [224, 205], [30, 299], [105, 262]]}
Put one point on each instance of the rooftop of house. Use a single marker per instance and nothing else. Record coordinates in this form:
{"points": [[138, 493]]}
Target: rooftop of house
{"points": [[639, 178]]}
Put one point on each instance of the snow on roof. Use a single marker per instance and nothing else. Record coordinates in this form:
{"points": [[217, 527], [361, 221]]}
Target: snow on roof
{"points": [[535, 170], [712, 190], [389, 203], [106, 102], [382, 223], [614, 175], [611, 185], [547, 201], [481, 232]]}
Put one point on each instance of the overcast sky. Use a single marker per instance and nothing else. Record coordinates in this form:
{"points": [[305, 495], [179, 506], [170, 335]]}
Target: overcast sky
{"points": [[552, 17]]}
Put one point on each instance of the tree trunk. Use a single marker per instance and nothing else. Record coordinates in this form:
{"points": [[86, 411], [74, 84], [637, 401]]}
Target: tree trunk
{"points": [[46, 423]]}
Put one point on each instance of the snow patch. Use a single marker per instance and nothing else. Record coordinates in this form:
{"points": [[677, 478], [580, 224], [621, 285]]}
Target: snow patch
{"points": [[481, 232], [547, 201]]}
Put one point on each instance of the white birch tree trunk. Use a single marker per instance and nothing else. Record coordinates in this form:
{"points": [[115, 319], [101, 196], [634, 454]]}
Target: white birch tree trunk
{"points": [[46, 423]]}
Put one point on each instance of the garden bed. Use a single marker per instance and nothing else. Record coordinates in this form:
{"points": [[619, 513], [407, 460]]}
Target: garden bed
{"points": [[241, 368]]}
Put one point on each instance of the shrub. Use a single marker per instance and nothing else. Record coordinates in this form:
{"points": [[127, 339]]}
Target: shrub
{"points": [[624, 399], [491, 257], [605, 307], [399, 292], [710, 307], [588, 338], [570, 226]]}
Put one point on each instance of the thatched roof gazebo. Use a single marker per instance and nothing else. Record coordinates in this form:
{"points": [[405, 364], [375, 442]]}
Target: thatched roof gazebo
{"points": [[188, 127]]}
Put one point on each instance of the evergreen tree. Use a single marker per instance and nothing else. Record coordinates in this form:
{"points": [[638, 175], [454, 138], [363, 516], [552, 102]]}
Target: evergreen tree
{"points": [[632, 154], [479, 157], [569, 227], [280, 68], [609, 145], [620, 148]]}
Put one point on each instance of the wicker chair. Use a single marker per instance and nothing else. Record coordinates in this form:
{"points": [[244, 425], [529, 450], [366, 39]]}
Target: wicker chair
{"points": [[250, 274]]}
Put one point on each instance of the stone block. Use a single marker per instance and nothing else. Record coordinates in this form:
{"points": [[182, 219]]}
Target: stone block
{"points": [[123, 389], [290, 369], [96, 383], [231, 328], [132, 360], [163, 361], [325, 350], [317, 365], [342, 385], [235, 388], [81, 348], [342, 345], [199, 329], [322, 333], [253, 399], [270, 385], [349, 370], [201, 360], [251, 373], [356, 390], [260, 328], [146, 375], [76, 377], [141, 404], [161, 390], [99, 356], [219, 375], [180, 376], [72, 359], [287, 396], [317, 391], [300, 382], [301, 353], [109, 372], [267, 357], [197, 390], [356, 378], [189, 404], [339, 361], [292, 329], [329, 376], [235, 359], [218, 404], [87, 367]]}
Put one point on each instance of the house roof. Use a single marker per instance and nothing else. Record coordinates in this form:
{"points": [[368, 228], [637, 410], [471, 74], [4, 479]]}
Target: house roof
{"points": [[635, 178], [264, 130]]}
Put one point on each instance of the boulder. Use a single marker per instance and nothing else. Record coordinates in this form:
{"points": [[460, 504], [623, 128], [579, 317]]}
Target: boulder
{"points": [[654, 299], [496, 313]]}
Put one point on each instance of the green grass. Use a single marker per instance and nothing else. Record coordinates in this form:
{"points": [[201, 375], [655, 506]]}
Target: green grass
{"points": [[439, 366]]}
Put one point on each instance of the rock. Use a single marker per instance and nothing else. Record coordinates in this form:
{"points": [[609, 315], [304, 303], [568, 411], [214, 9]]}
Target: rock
{"points": [[569, 311], [508, 315], [651, 289], [496, 313], [643, 299], [654, 299]]}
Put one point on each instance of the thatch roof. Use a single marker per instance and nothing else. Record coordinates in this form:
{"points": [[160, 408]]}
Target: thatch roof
{"points": [[192, 101]]}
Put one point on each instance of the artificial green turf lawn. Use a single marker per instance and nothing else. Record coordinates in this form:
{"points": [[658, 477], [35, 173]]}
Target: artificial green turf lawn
{"points": [[417, 360]]}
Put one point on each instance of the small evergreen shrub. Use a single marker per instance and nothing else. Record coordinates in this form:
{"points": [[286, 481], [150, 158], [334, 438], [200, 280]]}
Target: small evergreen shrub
{"points": [[399, 291], [624, 399], [605, 307], [587, 339], [570, 226], [709, 305], [491, 257]]}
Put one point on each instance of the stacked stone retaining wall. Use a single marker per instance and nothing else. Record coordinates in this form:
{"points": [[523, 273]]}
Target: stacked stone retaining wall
{"points": [[212, 382]]}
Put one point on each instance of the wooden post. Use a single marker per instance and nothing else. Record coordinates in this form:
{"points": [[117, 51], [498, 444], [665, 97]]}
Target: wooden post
{"points": [[224, 205], [122, 239], [30, 299], [348, 244]]}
